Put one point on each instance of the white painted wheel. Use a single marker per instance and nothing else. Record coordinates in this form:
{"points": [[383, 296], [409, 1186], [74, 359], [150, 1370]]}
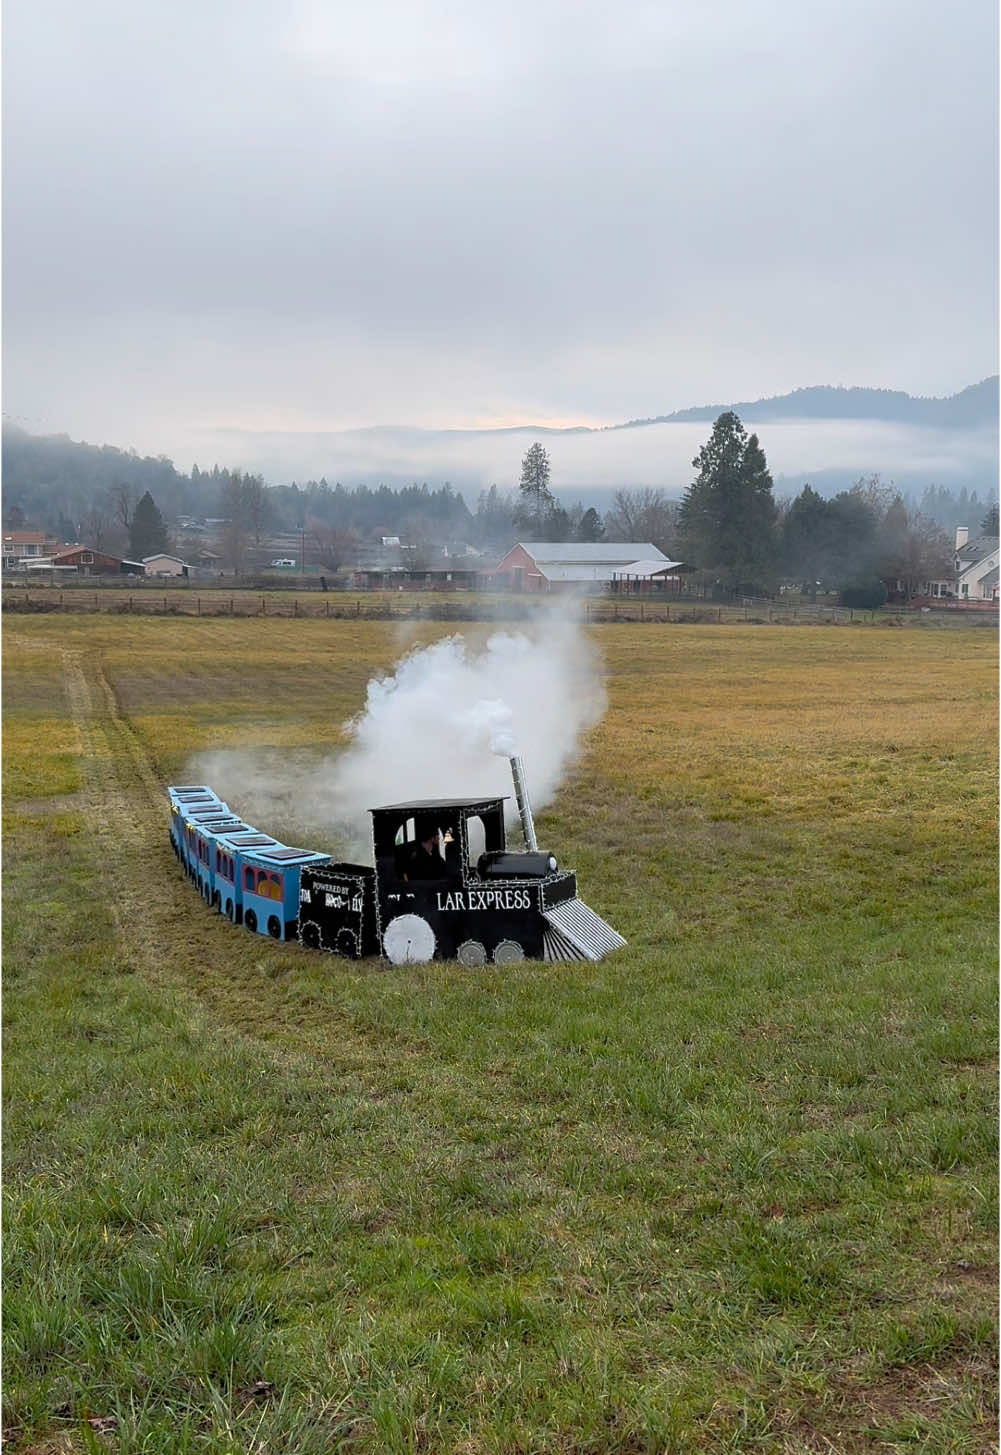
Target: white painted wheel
{"points": [[508, 952], [471, 953], [408, 940]]}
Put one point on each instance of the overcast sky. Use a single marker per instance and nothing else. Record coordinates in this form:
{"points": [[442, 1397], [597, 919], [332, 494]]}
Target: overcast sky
{"points": [[316, 216]]}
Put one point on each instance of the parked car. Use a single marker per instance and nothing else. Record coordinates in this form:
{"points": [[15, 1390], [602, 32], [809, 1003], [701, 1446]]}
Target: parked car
{"points": [[283, 561]]}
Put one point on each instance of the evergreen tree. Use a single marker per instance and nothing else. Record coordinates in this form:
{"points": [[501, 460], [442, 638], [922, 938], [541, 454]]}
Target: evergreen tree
{"points": [[806, 539], [557, 525], [989, 524], [727, 514], [590, 527], [536, 498], [147, 532], [854, 519]]}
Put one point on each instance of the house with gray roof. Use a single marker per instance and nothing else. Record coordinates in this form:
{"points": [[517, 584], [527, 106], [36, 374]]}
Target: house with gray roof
{"points": [[975, 571], [976, 567]]}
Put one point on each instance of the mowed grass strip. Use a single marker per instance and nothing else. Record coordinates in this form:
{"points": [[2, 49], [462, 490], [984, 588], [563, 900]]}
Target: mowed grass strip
{"points": [[733, 1188]]}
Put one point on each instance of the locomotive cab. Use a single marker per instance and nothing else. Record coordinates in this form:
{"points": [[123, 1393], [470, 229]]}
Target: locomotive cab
{"points": [[449, 888]]}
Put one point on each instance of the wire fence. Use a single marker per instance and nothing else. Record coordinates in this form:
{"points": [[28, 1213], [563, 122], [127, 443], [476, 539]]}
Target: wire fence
{"points": [[466, 606]]}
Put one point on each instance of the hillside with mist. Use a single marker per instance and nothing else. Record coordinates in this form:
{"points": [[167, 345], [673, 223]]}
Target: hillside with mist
{"points": [[395, 477]]}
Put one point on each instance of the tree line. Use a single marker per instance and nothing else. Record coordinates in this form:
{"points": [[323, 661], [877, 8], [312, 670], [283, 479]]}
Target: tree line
{"points": [[730, 527], [727, 523]]}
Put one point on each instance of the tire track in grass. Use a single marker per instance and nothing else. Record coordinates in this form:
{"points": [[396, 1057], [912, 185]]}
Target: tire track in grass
{"points": [[126, 815]]}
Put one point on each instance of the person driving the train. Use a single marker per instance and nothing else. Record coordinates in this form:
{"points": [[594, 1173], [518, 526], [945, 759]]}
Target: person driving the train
{"points": [[424, 859]]}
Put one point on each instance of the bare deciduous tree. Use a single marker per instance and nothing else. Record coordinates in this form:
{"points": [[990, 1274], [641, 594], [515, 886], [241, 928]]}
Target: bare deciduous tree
{"points": [[334, 545], [643, 515]]}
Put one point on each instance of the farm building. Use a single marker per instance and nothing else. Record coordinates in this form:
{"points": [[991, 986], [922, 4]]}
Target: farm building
{"points": [[644, 578], [90, 562], [400, 578], [163, 565], [548, 566]]}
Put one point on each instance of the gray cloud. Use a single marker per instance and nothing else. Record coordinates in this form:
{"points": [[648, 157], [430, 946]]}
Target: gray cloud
{"points": [[335, 215]]}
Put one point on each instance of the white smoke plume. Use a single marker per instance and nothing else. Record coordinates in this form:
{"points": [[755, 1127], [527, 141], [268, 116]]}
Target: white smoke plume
{"points": [[441, 724]]}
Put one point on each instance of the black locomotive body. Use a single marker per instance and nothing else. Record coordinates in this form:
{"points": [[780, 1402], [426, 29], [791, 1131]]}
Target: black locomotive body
{"points": [[467, 898]]}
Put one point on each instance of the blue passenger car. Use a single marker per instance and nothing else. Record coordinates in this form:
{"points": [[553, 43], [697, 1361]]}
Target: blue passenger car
{"points": [[270, 888], [182, 799], [234, 844], [200, 827]]}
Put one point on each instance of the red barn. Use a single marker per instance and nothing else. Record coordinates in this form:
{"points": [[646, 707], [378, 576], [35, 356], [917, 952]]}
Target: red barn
{"points": [[569, 565]]}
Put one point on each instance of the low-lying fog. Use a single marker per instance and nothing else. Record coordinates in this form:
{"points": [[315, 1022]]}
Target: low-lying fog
{"points": [[602, 460]]}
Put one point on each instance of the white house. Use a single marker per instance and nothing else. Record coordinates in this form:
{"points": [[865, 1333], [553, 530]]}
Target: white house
{"points": [[974, 570], [976, 565]]}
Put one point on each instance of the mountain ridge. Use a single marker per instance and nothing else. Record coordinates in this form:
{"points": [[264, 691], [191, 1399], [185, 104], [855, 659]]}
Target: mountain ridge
{"points": [[976, 405]]}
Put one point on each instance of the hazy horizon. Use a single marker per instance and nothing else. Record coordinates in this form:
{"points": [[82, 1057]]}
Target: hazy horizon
{"points": [[596, 464]]}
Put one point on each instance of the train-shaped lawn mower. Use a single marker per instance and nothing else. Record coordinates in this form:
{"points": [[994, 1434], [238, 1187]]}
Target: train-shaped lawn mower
{"points": [[445, 886]]}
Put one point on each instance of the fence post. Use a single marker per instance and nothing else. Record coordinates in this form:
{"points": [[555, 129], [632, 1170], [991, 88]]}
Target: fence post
{"points": [[295, 606], [667, 613], [719, 613], [198, 606], [264, 606], [165, 603], [327, 605], [642, 616], [357, 608]]}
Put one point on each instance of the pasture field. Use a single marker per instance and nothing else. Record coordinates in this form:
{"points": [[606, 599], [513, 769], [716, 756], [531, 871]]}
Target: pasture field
{"points": [[732, 1189]]}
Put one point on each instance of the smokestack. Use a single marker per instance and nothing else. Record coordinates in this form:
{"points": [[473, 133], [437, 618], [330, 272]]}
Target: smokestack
{"points": [[962, 536], [524, 807]]}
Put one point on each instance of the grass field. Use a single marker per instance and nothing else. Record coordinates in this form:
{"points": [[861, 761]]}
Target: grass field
{"points": [[733, 1189]]}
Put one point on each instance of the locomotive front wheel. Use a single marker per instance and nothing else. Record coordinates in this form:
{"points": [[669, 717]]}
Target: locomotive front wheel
{"points": [[471, 953], [408, 940], [274, 927], [229, 909], [250, 920], [217, 901], [310, 936]]}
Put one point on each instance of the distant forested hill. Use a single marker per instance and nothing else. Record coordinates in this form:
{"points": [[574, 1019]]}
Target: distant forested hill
{"points": [[55, 481], [972, 408], [76, 490]]}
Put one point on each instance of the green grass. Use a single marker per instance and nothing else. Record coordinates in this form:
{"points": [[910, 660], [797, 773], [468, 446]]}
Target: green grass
{"points": [[732, 1189]]}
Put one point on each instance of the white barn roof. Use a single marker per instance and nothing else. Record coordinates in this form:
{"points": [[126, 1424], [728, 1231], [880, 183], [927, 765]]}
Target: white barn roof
{"points": [[599, 553], [573, 561], [646, 568]]}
